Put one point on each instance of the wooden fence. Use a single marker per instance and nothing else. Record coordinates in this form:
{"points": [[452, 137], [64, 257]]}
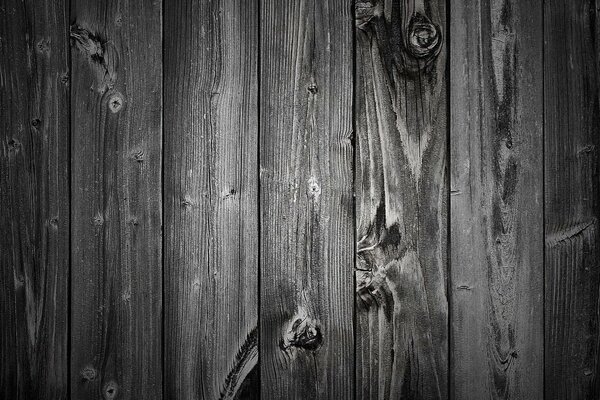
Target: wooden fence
{"points": [[303, 199]]}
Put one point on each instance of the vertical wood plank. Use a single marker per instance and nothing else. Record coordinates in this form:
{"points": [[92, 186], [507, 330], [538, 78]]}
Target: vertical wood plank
{"points": [[572, 142], [211, 199], [401, 188], [34, 200], [496, 201], [306, 152], [116, 118]]}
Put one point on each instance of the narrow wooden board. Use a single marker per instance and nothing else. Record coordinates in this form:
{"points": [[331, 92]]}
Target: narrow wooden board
{"points": [[211, 199], [401, 189], [496, 204], [116, 156], [572, 143], [306, 313], [34, 200]]}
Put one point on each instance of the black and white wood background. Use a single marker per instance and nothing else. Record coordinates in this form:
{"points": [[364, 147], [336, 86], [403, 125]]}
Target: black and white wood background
{"points": [[303, 199]]}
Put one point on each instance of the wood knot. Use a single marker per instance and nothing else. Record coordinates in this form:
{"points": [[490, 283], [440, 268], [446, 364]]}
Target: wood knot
{"points": [[98, 220], [424, 38], [64, 78], [138, 155], [20, 280], [100, 54], [187, 202], [312, 88], [228, 193], [304, 333], [88, 373], [115, 102], [35, 123], [314, 190], [110, 390], [14, 145], [590, 148], [43, 46]]}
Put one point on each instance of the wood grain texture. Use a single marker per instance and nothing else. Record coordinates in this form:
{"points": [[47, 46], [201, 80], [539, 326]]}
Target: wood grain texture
{"points": [[496, 203], [401, 189], [211, 199], [572, 142], [116, 150], [306, 333], [34, 200]]}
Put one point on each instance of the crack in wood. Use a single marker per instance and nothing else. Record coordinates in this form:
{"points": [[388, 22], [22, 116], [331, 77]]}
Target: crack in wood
{"points": [[570, 233], [245, 361], [101, 55]]}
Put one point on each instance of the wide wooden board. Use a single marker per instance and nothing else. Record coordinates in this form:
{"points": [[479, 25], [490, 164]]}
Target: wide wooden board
{"points": [[34, 200], [572, 198], [401, 199], [211, 199], [496, 202], [116, 157], [306, 218]]}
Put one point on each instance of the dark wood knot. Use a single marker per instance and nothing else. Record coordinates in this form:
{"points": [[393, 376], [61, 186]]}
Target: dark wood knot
{"points": [[424, 38], [110, 390], [88, 373], [304, 333]]}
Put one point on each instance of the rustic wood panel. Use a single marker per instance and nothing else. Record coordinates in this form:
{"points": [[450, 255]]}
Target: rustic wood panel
{"points": [[211, 199], [496, 203], [306, 153], [572, 140], [401, 189], [116, 120], [34, 200]]}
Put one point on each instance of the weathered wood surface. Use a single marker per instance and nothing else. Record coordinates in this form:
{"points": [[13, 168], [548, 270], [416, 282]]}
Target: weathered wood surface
{"points": [[116, 156], [34, 200], [211, 199], [306, 333], [347, 297], [401, 190], [572, 142], [496, 203]]}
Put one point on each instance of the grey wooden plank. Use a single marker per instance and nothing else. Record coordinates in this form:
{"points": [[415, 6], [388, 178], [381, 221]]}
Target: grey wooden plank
{"points": [[401, 194], [116, 148], [34, 200], [572, 139], [306, 332], [496, 202], [211, 199]]}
